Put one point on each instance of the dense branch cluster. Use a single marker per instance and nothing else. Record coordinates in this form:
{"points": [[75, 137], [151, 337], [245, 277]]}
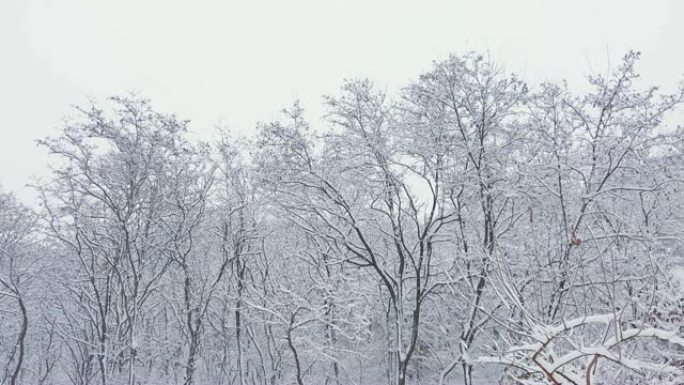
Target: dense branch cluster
{"points": [[469, 229]]}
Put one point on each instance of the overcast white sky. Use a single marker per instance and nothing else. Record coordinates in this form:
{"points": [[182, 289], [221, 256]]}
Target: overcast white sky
{"points": [[239, 62]]}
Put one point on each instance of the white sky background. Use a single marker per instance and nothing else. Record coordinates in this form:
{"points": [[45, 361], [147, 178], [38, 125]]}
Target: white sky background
{"points": [[239, 62]]}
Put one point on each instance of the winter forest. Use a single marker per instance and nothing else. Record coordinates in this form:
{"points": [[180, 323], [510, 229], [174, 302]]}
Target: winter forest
{"points": [[468, 229]]}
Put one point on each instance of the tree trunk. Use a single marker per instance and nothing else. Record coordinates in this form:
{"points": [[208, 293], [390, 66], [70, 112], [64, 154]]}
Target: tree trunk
{"points": [[20, 340]]}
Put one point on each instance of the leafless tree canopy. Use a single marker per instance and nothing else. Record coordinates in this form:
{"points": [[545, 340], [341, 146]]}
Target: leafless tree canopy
{"points": [[469, 229]]}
